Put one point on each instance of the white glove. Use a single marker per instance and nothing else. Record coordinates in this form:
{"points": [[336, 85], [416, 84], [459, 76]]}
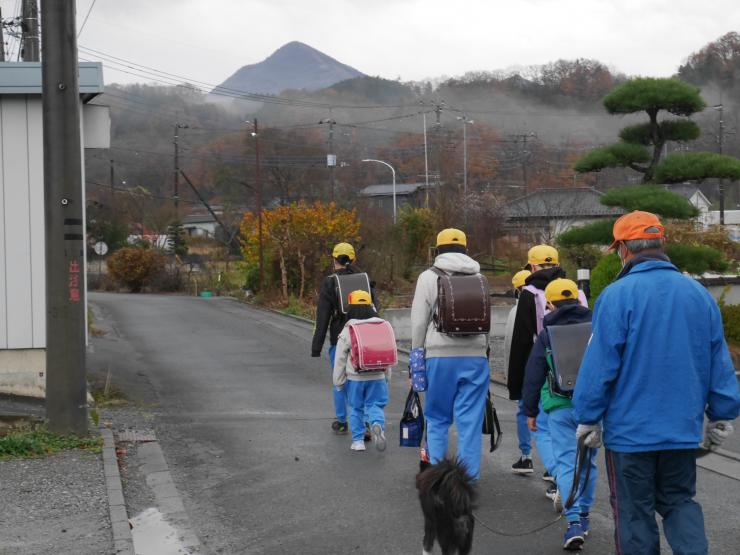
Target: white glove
{"points": [[715, 433], [592, 433]]}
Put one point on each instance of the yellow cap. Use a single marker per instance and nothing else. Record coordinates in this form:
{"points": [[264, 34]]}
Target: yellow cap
{"points": [[542, 254], [520, 277], [360, 297], [561, 290], [344, 249], [451, 236]]}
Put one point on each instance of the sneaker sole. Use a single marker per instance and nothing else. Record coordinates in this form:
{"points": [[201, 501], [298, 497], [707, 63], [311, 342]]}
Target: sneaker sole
{"points": [[380, 442], [548, 479], [557, 504], [522, 470], [574, 544]]}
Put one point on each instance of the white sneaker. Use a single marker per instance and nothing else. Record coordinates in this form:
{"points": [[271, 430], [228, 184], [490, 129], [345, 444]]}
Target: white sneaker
{"points": [[378, 437], [357, 445], [557, 502]]}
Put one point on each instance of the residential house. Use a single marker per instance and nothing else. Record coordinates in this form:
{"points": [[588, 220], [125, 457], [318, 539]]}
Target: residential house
{"points": [[546, 213], [694, 195], [200, 225], [380, 197]]}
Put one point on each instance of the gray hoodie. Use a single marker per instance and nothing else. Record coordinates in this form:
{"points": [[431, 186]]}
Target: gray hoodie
{"points": [[343, 369], [423, 332]]}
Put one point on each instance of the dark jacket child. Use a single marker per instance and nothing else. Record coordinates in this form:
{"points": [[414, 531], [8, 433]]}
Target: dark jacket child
{"points": [[540, 385], [329, 318]]}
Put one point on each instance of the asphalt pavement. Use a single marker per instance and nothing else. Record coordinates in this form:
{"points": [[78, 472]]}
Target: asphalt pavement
{"points": [[243, 416]]}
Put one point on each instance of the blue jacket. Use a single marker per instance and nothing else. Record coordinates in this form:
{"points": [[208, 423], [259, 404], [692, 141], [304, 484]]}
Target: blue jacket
{"points": [[535, 373], [656, 363]]}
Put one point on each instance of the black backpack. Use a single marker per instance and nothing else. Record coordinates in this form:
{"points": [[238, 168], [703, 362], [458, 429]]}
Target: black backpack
{"points": [[346, 284], [567, 346]]}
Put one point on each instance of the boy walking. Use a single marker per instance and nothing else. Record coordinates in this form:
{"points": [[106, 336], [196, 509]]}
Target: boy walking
{"points": [[541, 385]]}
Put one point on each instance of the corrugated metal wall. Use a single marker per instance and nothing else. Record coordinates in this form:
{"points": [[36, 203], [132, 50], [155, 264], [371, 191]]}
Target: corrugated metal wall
{"points": [[22, 289]]}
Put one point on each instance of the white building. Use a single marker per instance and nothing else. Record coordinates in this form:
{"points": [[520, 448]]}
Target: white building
{"points": [[22, 242]]}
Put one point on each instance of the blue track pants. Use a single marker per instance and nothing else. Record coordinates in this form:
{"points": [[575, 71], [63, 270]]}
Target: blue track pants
{"points": [[544, 443], [564, 444], [367, 399], [522, 431], [642, 484], [340, 396], [456, 390]]}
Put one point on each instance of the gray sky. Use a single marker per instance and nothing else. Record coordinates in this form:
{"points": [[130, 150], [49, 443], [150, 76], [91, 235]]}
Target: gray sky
{"points": [[413, 39]]}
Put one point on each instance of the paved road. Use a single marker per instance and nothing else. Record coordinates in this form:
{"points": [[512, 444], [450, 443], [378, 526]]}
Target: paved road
{"points": [[243, 415]]}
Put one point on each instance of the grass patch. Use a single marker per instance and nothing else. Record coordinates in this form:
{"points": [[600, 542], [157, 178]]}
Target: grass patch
{"points": [[37, 441], [109, 397]]}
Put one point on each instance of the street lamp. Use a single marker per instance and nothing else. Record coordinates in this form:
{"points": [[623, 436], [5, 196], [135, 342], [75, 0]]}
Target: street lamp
{"points": [[394, 183]]}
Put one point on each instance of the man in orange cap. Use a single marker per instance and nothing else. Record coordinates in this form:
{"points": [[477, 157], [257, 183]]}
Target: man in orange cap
{"points": [[656, 365]]}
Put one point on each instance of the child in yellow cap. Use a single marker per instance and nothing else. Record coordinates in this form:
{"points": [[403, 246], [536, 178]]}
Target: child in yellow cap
{"points": [[367, 390], [543, 390]]}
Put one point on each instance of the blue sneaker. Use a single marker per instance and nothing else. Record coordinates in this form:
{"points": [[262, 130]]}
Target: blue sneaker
{"points": [[585, 522], [574, 537]]}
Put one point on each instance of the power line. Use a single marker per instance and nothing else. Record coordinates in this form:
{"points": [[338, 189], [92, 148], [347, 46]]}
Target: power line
{"points": [[86, 16]]}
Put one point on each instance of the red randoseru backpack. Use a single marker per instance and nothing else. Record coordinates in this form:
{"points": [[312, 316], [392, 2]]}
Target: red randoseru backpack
{"points": [[373, 346]]}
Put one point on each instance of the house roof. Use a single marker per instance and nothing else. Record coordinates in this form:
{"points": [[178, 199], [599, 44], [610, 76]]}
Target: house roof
{"points": [[192, 219], [687, 190], [386, 190], [25, 78], [581, 202]]}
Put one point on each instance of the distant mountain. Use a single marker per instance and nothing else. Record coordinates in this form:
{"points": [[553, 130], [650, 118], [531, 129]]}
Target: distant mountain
{"points": [[292, 66]]}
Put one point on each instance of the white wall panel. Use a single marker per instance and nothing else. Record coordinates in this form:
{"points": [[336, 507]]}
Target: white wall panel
{"points": [[3, 258], [37, 232], [17, 223]]}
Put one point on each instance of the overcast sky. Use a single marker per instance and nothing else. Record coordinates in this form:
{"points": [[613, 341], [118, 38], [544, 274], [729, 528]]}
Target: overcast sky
{"points": [[414, 39]]}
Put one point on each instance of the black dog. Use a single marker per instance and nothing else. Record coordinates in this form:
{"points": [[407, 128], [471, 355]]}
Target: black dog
{"points": [[447, 494]]}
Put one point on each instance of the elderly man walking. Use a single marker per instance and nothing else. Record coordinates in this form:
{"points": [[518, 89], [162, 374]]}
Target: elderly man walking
{"points": [[657, 364]]}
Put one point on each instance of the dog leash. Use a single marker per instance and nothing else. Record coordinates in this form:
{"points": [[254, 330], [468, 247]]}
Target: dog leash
{"points": [[519, 534], [584, 455]]}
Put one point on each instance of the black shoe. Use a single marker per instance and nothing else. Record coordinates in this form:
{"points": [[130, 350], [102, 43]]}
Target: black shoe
{"points": [[522, 466], [367, 435], [547, 477], [339, 427]]}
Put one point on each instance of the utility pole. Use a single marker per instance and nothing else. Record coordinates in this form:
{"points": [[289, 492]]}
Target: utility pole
{"points": [[721, 181], [176, 192], [331, 158], [2, 38], [30, 26], [465, 121], [426, 165], [256, 136], [523, 138], [66, 387]]}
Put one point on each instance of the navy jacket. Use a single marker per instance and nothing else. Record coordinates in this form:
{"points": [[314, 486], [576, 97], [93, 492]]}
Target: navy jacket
{"points": [[657, 362], [536, 370]]}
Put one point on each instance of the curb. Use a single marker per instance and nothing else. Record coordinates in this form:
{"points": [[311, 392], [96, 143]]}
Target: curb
{"points": [[122, 540]]}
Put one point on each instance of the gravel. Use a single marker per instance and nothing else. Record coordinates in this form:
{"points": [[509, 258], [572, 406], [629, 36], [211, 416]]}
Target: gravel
{"points": [[56, 504]]}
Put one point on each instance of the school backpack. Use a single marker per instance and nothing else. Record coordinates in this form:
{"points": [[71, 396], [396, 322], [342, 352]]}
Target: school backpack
{"points": [[463, 304], [567, 346], [346, 284], [540, 303], [373, 346]]}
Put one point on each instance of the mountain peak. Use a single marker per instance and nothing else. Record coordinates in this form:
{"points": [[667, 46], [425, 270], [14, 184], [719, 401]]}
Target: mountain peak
{"points": [[294, 65]]}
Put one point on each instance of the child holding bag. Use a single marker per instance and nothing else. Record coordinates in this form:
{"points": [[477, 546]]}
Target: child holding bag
{"points": [[366, 351]]}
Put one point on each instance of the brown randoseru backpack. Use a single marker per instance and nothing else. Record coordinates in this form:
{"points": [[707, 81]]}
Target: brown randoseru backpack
{"points": [[463, 304]]}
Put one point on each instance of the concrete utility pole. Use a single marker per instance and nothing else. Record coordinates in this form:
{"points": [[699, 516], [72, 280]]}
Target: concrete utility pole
{"points": [[465, 122], [426, 165], [258, 180], [331, 158], [30, 27], [2, 38], [176, 192], [66, 388], [720, 143]]}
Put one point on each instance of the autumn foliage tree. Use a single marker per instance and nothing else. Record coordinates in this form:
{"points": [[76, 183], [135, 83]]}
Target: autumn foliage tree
{"points": [[135, 268], [296, 237]]}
